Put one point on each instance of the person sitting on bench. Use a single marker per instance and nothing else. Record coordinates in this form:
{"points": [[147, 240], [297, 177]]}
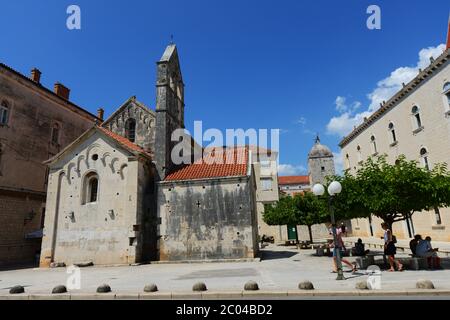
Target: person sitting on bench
{"points": [[413, 243], [359, 249], [425, 250]]}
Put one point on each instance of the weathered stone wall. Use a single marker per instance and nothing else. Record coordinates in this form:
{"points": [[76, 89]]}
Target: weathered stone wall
{"points": [[26, 141], [145, 123], [20, 214], [169, 109], [208, 219], [320, 168], [94, 234]]}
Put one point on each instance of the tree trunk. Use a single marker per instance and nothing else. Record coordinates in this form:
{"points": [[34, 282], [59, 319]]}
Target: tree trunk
{"points": [[310, 234]]}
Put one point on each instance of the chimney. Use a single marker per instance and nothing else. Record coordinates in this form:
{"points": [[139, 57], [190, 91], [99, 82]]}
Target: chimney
{"points": [[448, 33], [62, 91], [36, 75], [100, 113]]}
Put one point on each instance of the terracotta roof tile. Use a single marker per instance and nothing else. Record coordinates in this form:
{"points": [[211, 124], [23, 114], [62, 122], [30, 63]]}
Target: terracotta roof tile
{"points": [[219, 162], [293, 180], [124, 142]]}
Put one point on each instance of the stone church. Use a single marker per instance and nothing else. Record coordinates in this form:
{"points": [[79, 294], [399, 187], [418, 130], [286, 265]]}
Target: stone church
{"points": [[115, 196]]}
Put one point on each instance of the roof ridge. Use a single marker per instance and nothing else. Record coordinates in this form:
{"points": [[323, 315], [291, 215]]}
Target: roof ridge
{"points": [[47, 90]]}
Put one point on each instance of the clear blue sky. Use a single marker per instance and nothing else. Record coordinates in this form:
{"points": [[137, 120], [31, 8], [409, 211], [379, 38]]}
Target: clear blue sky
{"points": [[246, 64]]}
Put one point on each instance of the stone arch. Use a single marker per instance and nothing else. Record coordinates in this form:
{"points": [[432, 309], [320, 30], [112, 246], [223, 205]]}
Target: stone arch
{"points": [[105, 157], [79, 160], [91, 149], [112, 164], [69, 169], [122, 171], [62, 174]]}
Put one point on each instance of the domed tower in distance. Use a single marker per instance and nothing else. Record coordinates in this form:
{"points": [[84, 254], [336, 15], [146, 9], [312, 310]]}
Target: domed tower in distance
{"points": [[320, 163]]}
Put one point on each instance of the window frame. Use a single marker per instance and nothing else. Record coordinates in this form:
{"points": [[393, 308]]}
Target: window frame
{"points": [[56, 127], [373, 145], [128, 131], [417, 119], [393, 135], [87, 188], [264, 186], [5, 111], [425, 158]]}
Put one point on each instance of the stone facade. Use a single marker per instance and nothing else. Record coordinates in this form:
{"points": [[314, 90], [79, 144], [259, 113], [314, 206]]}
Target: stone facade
{"points": [[134, 121], [145, 205], [113, 228], [212, 219], [38, 124], [320, 163], [395, 130], [265, 163]]}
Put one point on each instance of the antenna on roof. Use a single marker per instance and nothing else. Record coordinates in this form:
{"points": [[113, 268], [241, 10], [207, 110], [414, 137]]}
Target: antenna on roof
{"points": [[317, 138], [171, 39]]}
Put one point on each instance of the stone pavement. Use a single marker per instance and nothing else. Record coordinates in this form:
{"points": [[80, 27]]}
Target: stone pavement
{"points": [[279, 271]]}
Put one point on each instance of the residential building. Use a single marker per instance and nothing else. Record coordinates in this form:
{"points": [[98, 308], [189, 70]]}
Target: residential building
{"points": [[415, 123], [35, 124]]}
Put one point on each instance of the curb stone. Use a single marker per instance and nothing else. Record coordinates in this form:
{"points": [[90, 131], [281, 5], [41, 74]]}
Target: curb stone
{"points": [[155, 296], [225, 295]]}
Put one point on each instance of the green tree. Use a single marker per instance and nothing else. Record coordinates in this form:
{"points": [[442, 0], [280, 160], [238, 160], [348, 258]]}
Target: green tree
{"points": [[305, 209], [393, 192], [310, 210], [280, 213]]}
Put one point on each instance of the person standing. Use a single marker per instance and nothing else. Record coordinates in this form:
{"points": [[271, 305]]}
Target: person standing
{"points": [[341, 247], [389, 248]]}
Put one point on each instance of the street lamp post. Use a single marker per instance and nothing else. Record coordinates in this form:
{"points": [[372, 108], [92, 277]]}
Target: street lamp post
{"points": [[333, 189]]}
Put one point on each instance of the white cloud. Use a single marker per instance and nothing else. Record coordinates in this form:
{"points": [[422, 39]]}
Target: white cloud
{"points": [[301, 121], [290, 170], [340, 104], [344, 123], [343, 107]]}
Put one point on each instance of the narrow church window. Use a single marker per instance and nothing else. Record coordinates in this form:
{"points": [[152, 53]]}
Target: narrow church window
{"points": [[4, 110], [93, 188], [358, 152], [55, 133], [130, 129], [392, 130], [347, 161], [416, 114], [90, 188], [447, 93], [424, 155], [1, 152], [374, 144], [322, 168]]}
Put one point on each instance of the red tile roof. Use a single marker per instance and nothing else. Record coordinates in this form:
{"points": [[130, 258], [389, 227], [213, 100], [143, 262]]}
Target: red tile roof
{"points": [[293, 180], [124, 142], [218, 162]]}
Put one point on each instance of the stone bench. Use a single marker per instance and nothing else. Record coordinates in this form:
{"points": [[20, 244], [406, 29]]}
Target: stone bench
{"points": [[415, 263]]}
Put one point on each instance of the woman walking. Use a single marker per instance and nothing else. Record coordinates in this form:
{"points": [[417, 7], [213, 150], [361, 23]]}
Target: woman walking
{"points": [[389, 248]]}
